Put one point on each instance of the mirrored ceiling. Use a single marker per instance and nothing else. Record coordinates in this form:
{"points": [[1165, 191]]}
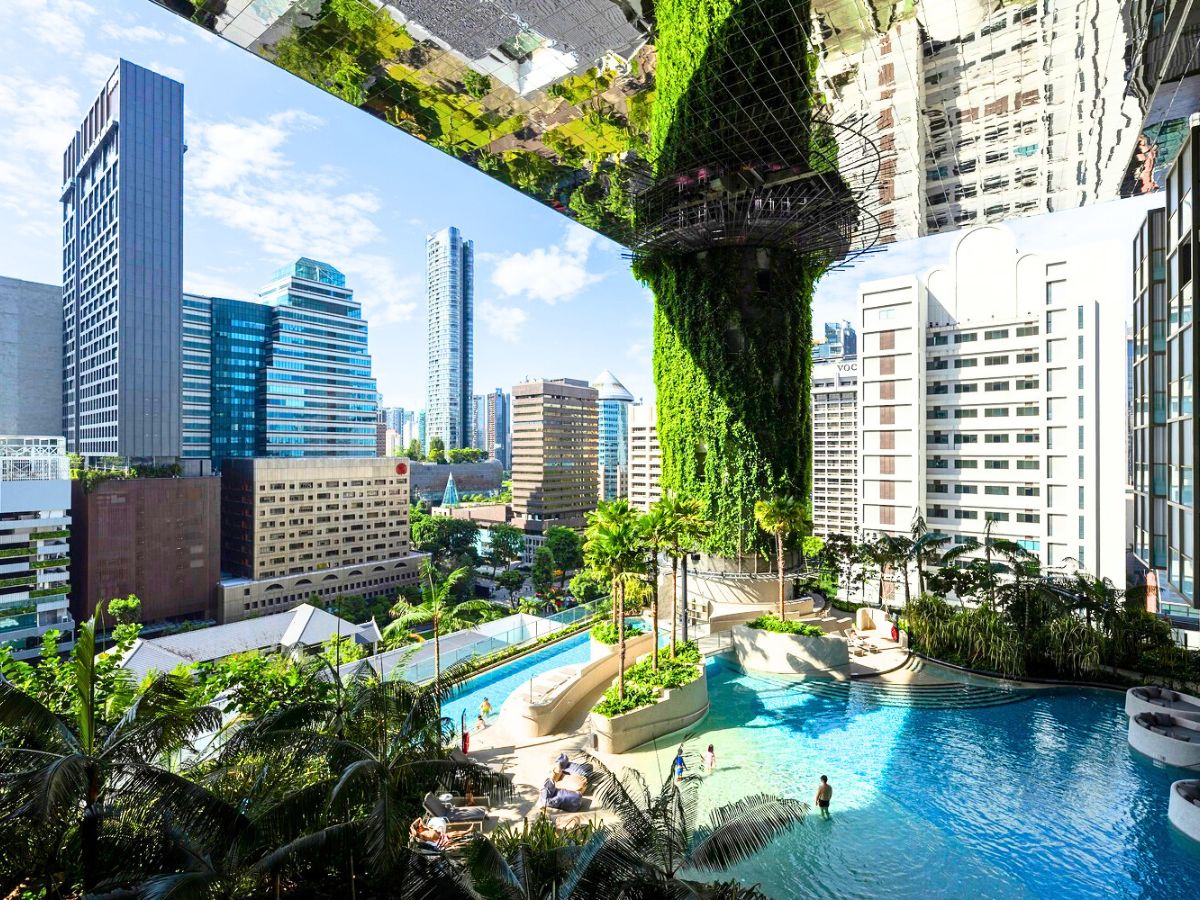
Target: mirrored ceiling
{"points": [[980, 110]]}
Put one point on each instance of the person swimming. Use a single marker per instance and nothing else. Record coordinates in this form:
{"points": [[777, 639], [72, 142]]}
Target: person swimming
{"points": [[824, 794], [485, 708]]}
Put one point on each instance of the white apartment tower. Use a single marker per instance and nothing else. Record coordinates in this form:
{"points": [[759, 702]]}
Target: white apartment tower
{"points": [[645, 457], [835, 447], [450, 290], [991, 389]]}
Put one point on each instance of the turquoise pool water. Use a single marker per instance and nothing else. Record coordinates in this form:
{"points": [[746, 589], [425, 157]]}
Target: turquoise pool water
{"points": [[1041, 797], [501, 681]]}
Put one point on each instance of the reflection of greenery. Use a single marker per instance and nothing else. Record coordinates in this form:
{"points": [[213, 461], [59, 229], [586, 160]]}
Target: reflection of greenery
{"points": [[476, 84], [579, 88], [603, 202], [343, 48]]}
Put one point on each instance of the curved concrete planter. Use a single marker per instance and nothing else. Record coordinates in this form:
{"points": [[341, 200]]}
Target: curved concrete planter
{"points": [[792, 654], [676, 709], [1176, 743], [1161, 700], [1183, 809], [539, 709]]}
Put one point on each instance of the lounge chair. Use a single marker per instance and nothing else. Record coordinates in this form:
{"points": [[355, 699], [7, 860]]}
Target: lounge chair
{"points": [[436, 807]]}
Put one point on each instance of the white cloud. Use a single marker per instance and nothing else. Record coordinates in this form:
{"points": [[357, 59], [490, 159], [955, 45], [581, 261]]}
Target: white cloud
{"points": [[97, 67], [239, 174], [58, 23], [503, 321], [40, 118], [138, 34], [554, 273]]}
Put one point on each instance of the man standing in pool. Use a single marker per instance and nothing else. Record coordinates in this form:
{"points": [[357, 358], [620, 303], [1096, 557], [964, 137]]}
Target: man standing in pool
{"points": [[824, 793]]}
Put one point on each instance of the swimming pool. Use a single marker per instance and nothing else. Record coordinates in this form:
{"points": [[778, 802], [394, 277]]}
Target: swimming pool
{"points": [[498, 683], [1035, 794]]}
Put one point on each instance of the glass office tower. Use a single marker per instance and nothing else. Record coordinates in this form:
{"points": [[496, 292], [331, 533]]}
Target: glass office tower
{"points": [[317, 395], [613, 409], [450, 288]]}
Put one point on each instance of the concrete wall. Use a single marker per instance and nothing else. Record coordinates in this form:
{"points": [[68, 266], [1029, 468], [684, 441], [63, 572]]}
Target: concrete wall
{"points": [[724, 616], [792, 654], [677, 709], [545, 716], [31, 328]]}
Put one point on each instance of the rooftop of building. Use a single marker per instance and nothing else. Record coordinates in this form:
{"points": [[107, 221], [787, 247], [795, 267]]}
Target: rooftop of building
{"points": [[610, 387], [303, 626]]}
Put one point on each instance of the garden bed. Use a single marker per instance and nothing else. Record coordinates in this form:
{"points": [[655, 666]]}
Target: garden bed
{"points": [[655, 703]]}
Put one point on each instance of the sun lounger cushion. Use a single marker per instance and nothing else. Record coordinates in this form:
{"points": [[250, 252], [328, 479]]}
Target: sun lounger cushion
{"points": [[576, 783], [454, 813], [572, 768]]}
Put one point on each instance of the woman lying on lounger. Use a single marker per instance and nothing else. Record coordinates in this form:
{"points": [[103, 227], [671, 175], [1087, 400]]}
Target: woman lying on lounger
{"points": [[424, 833]]}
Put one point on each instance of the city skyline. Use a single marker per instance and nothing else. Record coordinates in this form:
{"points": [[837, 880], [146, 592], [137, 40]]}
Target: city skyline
{"points": [[246, 214]]}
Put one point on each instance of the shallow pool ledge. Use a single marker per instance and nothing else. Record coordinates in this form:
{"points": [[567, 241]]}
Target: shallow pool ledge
{"points": [[555, 694], [827, 656], [677, 708]]}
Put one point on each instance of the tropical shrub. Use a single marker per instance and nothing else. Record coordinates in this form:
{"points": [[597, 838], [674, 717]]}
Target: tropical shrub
{"points": [[644, 684], [772, 622], [606, 632]]}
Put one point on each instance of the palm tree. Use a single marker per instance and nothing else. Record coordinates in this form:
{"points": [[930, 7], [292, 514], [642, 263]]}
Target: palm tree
{"points": [[657, 530], [532, 861], [684, 527], [926, 547], [657, 835], [780, 516], [437, 608], [74, 779], [614, 547]]}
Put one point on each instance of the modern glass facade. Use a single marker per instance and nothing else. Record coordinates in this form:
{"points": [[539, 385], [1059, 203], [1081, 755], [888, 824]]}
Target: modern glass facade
{"points": [[196, 386], [122, 238], [1164, 427], [450, 290], [288, 376], [613, 410], [317, 394], [841, 340]]}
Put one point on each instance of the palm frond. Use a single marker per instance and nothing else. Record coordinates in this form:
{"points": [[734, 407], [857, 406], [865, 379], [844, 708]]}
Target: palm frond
{"points": [[742, 828], [26, 715]]}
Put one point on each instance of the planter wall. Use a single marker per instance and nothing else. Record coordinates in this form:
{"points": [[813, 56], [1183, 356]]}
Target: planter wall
{"points": [[545, 715], [791, 654], [677, 709]]}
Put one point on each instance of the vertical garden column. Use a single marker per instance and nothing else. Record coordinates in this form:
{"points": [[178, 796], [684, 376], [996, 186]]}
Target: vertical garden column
{"points": [[732, 324]]}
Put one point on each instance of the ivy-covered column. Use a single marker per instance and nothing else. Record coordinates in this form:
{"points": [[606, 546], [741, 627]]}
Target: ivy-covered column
{"points": [[732, 324]]}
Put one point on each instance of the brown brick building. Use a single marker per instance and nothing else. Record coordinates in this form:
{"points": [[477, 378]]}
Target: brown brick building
{"points": [[159, 538], [554, 453]]}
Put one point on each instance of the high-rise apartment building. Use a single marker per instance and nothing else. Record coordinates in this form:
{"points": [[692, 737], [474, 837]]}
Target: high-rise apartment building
{"points": [[393, 417], [835, 446], [984, 400], [31, 341], [35, 533], [122, 229], [1164, 433], [645, 457], [840, 340], [478, 431], [450, 291], [318, 397], [497, 436], [289, 375], [614, 401], [298, 528], [554, 461]]}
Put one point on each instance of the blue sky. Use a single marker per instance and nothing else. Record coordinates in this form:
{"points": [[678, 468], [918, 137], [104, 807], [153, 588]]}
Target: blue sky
{"points": [[277, 169]]}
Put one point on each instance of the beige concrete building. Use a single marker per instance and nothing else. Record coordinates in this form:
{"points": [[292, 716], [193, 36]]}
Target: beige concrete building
{"points": [[295, 528], [555, 454], [645, 458]]}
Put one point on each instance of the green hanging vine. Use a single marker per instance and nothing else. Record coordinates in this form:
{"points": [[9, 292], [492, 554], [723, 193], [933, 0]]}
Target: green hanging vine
{"points": [[732, 325]]}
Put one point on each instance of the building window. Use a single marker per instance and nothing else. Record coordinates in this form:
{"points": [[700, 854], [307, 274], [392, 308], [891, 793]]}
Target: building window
{"points": [[996, 490], [965, 388], [995, 360], [968, 363], [887, 465], [887, 365], [887, 340], [966, 337], [995, 463], [1028, 464], [996, 386], [966, 413], [966, 489], [966, 464], [966, 514], [1027, 410], [996, 412], [995, 334]]}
